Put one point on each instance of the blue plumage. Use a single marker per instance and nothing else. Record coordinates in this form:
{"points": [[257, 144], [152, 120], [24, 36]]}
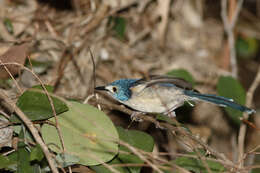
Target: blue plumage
{"points": [[219, 100], [123, 88], [162, 94]]}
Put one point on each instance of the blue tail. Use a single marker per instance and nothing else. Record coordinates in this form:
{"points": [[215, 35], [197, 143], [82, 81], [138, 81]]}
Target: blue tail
{"points": [[219, 100]]}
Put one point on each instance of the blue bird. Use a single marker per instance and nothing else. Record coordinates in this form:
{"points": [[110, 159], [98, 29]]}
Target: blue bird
{"points": [[162, 94]]}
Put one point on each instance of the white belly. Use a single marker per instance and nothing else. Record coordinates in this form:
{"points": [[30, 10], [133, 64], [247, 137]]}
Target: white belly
{"points": [[157, 99]]}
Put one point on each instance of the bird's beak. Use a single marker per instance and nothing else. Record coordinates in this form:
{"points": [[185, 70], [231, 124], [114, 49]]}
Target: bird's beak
{"points": [[101, 88]]}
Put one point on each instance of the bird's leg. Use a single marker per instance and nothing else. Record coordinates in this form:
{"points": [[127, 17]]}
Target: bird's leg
{"points": [[171, 112], [134, 116]]}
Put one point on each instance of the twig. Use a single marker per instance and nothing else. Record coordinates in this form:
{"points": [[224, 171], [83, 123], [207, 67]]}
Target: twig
{"points": [[242, 130], [10, 74], [48, 96], [137, 153], [229, 27], [93, 77], [11, 106], [167, 126]]}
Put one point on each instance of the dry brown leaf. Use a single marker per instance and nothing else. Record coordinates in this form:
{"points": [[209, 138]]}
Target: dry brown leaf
{"points": [[6, 133], [15, 54]]}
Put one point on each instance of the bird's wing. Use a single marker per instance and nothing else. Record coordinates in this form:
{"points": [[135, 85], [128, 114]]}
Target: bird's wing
{"points": [[143, 83]]}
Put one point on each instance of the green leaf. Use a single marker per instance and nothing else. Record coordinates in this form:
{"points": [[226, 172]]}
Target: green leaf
{"points": [[9, 26], [35, 104], [197, 166], [65, 159], [36, 153], [103, 169], [137, 139], [23, 156], [14, 158], [134, 138], [87, 132], [119, 26], [231, 88], [6, 163], [247, 47], [181, 73]]}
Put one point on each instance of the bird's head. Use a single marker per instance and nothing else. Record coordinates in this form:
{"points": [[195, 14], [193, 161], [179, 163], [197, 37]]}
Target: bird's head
{"points": [[119, 89]]}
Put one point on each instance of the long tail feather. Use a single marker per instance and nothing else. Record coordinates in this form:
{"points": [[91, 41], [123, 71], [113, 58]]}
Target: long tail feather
{"points": [[219, 100]]}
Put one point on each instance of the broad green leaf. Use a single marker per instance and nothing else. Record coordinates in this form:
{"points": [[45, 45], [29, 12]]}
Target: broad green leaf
{"points": [[36, 105], [181, 73], [137, 139], [9, 26], [23, 156], [134, 138], [231, 88], [6, 163], [36, 153], [87, 132], [197, 166]]}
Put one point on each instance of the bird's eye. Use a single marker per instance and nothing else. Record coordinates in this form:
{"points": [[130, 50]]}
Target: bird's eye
{"points": [[114, 89]]}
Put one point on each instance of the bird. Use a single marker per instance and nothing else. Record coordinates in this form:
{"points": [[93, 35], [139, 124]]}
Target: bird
{"points": [[162, 94]]}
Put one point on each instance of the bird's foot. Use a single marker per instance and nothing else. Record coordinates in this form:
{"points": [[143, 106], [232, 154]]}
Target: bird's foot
{"points": [[135, 116], [158, 126]]}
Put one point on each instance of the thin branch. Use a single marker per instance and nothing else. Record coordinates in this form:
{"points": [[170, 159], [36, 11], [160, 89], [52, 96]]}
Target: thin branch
{"points": [[242, 130], [137, 153], [10, 105], [229, 29], [47, 94], [10, 74], [94, 68], [168, 126]]}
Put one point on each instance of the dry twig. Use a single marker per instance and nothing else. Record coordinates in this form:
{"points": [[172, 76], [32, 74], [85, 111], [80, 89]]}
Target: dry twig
{"points": [[12, 106], [242, 130], [229, 28], [51, 103]]}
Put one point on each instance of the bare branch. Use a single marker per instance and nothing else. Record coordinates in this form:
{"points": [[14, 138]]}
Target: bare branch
{"points": [[229, 27], [242, 130], [10, 105]]}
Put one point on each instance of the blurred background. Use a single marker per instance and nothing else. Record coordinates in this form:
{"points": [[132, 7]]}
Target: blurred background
{"points": [[201, 40]]}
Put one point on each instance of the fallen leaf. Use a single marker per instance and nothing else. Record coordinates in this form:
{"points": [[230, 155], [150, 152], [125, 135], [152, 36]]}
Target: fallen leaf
{"points": [[15, 54]]}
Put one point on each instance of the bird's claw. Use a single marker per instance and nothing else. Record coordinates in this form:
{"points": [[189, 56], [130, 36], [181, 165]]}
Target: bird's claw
{"points": [[158, 126]]}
